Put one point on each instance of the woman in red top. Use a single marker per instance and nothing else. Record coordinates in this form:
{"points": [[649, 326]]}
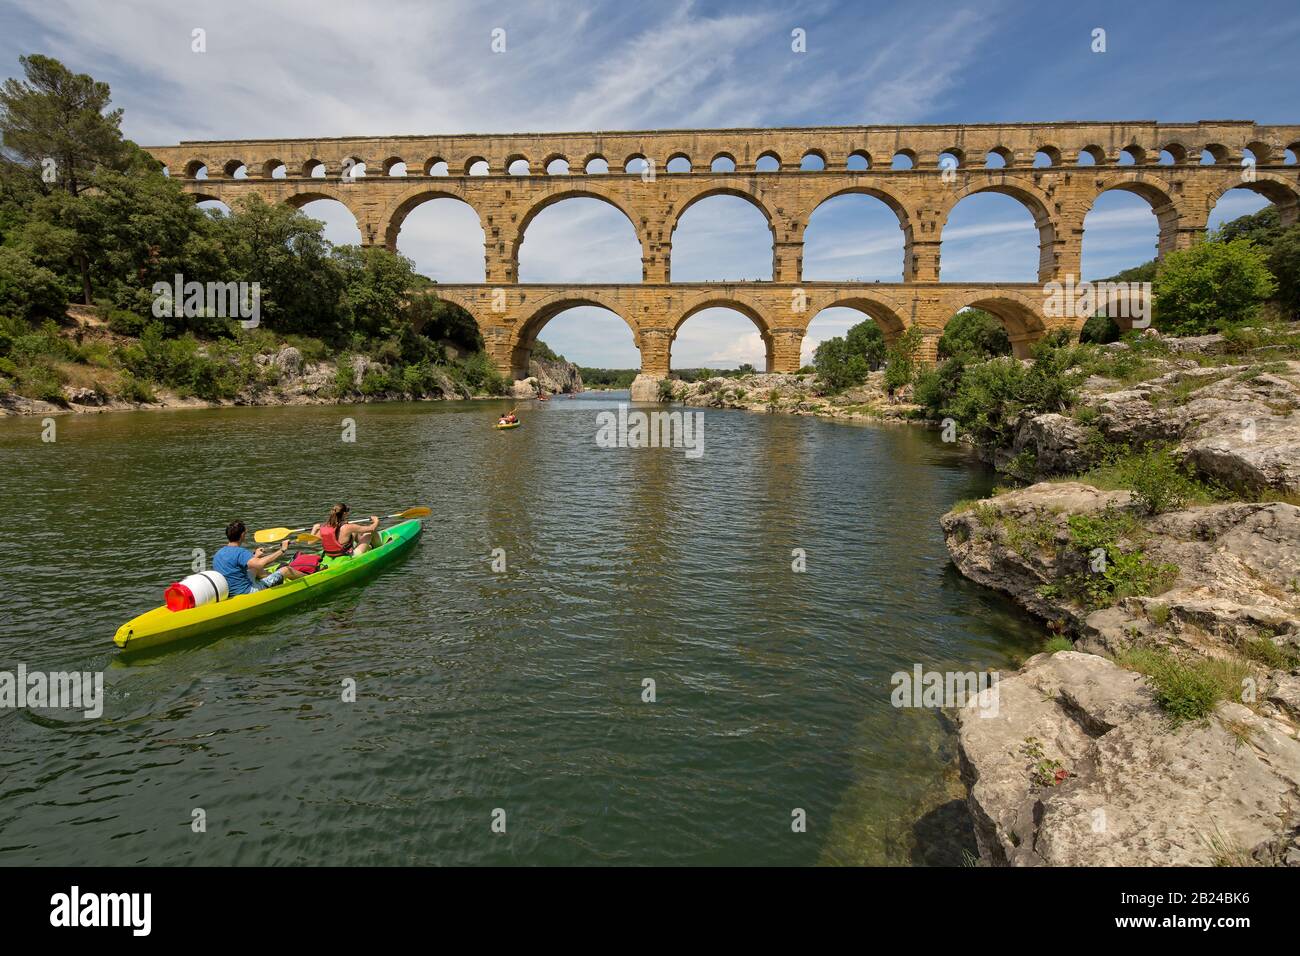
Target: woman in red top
{"points": [[340, 536]]}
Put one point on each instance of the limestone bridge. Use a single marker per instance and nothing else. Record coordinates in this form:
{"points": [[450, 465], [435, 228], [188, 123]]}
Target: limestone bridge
{"points": [[1056, 170]]}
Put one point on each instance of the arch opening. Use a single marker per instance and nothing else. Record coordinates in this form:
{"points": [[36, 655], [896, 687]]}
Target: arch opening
{"points": [[997, 233], [579, 238], [585, 331], [442, 235], [1120, 231], [341, 227], [768, 162], [722, 235], [721, 335], [855, 237]]}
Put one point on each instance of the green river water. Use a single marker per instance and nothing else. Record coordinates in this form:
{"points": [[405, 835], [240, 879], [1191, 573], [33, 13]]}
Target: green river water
{"points": [[476, 690]]}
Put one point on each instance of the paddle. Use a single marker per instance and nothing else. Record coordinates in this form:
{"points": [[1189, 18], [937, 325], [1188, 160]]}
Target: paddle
{"points": [[267, 535]]}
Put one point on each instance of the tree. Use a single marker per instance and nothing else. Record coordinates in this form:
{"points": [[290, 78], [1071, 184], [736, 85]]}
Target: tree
{"points": [[1284, 263], [1198, 290], [57, 131], [900, 360], [974, 334], [838, 366]]}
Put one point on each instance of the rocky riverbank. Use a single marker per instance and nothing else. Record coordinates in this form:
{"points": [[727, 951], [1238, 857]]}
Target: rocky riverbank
{"points": [[1171, 734], [794, 395], [286, 378]]}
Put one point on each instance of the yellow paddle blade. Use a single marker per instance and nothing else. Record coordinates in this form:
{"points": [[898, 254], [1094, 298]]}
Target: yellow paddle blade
{"points": [[414, 513], [271, 534], [308, 539]]}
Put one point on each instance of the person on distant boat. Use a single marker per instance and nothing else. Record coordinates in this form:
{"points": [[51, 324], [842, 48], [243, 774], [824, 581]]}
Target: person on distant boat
{"points": [[244, 571], [339, 536], [509, 418]]}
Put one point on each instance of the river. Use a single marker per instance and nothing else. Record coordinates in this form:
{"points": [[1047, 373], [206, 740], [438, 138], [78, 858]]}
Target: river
{"points": [[480, 691]]}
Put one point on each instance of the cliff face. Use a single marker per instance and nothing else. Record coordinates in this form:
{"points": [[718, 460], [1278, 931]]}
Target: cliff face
{"points": [[549, 377], [1171, 734]]}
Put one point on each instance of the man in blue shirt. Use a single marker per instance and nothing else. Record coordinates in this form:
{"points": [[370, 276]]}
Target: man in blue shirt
{"points": [[243, 569]]}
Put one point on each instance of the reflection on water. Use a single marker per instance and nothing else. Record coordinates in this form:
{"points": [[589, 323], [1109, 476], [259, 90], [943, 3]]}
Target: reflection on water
{"points": [[479, 690]]}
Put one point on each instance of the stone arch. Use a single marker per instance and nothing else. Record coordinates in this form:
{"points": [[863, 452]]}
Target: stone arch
{"points": [[402, 206], [673, 157], [736, 302], [1265, 155], [1028, 195], [709, 191], [1020, 314], [956, 152], [905, 219], [1003, 153], [879, 311], [1278, 190], [753, 198], [1052, 153], [194, 167], [524, 335], [767, 154], [1177, 152], [584, 191], [1159, 196], [387, 165], [1218, 152], [591, 158], [271, 165]]}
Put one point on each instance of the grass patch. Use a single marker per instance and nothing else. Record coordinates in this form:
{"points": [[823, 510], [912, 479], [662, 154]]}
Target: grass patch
{"points": [[1056, 643], [1187, 690]]}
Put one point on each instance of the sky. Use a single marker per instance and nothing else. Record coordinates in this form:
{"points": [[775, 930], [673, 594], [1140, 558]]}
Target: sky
{"points": [[329, 68]]}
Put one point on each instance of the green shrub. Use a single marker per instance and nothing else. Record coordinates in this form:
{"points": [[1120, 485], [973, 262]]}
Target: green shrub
{"points": [[478, 372], [42, 382], [132, 389], [1199, 289], [344, 377], [377, 382], [1156, 480], [126, 323], [1126, 572]]}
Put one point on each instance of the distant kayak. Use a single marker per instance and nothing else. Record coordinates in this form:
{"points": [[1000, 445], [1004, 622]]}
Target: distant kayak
{"points": [[162, 625], [510, 425]]}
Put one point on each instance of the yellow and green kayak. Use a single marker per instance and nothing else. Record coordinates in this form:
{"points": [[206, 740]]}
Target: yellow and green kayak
{"points": [[510, 425], [161, 625]]}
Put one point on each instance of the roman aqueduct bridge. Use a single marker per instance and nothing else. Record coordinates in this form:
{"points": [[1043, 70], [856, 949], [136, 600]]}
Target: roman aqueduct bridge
{"points": [[653, 177]]}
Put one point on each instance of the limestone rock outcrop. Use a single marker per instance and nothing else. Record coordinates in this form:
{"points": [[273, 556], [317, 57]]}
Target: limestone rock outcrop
{"points": [[1079, 766]]}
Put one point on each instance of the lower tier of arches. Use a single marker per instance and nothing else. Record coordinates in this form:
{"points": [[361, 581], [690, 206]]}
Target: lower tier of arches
{"points": [[511, 317]]}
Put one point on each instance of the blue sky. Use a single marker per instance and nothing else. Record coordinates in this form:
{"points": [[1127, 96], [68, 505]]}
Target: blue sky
{"points": [[327, 68]]}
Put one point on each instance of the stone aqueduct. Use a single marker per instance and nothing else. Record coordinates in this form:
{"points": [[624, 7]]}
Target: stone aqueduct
{"points": [[476, 169]]}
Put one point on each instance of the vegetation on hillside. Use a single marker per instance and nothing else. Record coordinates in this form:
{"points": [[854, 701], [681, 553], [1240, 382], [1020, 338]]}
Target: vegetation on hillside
{"points": [[86, 217]]}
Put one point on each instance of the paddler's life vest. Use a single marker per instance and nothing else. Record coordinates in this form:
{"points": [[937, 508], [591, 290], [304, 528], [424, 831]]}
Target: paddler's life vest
{"points": [[329, 540]]}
